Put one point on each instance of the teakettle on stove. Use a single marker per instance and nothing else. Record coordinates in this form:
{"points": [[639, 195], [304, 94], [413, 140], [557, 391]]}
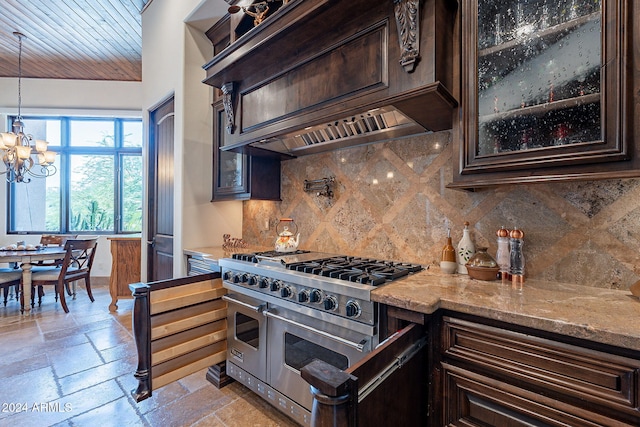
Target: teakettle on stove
{"points": [[286, 241]]}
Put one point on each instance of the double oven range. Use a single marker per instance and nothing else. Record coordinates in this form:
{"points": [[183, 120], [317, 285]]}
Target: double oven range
{"points": [[286, 309]]}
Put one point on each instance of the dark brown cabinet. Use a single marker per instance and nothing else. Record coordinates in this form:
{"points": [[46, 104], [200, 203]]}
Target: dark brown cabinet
{"points": [[495, 375], [238, 176], [546, 91], [319, 75]]}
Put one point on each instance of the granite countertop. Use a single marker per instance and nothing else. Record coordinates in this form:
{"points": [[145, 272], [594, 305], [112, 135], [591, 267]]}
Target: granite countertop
{"points": [[214, 253], [600, 315]]}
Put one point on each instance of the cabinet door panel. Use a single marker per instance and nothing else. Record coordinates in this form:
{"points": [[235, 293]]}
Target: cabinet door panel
{"points": [[477, 400], [229, 169], [541, 80], [580, 373], [544, 91], [240, 176]]}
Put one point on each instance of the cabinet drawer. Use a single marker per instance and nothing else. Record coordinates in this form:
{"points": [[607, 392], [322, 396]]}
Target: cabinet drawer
{"points": [[477, 400], [577, 374], [196, 266]]}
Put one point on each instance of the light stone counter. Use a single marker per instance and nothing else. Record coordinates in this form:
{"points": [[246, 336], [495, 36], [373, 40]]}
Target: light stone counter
{"points": [[214, 253], [601, 315]]}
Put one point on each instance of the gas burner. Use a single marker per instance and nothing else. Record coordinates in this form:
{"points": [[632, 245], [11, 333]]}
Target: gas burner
{"points": [[309, 282], [355, 269]]}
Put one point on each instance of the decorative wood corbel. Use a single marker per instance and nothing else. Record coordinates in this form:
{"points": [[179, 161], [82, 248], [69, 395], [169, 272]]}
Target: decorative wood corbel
{"points": [[408, 22], [227, 101]]}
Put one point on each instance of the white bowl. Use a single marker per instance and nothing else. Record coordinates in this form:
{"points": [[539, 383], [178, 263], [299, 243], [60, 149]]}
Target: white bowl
{"points": [[448, 267]]}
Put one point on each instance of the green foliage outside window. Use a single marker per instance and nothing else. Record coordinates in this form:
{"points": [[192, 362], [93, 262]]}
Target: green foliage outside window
{"points": [[98, 197], [132, 193]]}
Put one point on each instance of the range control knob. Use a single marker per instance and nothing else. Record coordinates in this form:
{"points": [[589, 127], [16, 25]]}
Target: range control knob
{"points": [[253, 280], [303, 296], [227, 275], [275, 285], [353, 309], [264, 283], [286, 291], [315, 296], [240, 278], [330, 303]]}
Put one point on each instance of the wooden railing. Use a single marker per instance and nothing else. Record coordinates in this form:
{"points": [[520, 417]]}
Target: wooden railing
{"points": [[179, 327]]}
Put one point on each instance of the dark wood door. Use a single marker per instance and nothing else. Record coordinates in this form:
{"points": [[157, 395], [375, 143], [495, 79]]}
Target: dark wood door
{"points": [[160, 229]]}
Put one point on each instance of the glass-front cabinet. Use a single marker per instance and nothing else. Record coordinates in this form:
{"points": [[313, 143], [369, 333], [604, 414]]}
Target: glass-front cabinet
{"points": [[229, 168], [542, 86], [239, 176], [236, 176]]}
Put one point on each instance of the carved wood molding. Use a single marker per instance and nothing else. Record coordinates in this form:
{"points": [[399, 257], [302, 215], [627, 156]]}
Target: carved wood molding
{"points": [[408, 22], [227, 101]]}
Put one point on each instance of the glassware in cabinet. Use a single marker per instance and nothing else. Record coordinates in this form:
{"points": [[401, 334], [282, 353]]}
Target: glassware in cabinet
{"points": [[542, 86]]}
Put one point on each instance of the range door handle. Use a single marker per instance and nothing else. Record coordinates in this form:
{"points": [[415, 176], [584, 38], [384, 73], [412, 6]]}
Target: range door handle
{"points": [[358, 346], [257, 308]]}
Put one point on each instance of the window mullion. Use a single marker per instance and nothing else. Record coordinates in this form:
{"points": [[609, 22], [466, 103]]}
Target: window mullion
{"points": [[117, 191], [65, 177]]}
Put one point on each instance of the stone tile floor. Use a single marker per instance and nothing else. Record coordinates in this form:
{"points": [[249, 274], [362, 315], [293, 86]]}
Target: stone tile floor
{"points": [[76, 369]]}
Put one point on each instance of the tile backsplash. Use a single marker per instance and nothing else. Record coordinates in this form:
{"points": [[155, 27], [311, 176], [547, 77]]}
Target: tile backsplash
{"points": [[390, 201]]}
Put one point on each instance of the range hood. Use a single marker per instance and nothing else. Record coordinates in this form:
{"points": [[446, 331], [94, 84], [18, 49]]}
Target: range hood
{"points": [[319, 75], [373, 126]]}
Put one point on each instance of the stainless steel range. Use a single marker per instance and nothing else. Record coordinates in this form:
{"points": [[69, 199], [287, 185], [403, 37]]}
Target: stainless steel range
{"points": [[286, 309]]}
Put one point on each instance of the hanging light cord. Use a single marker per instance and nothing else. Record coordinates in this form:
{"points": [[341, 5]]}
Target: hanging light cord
{"points": [[20, 36]]}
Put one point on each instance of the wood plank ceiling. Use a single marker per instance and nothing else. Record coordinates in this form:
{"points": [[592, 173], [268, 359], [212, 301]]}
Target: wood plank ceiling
{"points": [[72, 39]]}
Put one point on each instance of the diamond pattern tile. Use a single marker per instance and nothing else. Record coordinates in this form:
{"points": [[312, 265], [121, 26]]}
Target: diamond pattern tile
{"points": [[391, 201]]}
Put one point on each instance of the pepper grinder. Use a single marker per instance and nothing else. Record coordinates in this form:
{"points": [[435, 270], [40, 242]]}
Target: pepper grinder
{"points": [[448, 263], [466, 249], [503, 254], [516, 258]]}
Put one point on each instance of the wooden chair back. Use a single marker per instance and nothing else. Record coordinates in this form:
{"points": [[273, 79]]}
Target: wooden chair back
{"points": [[76, 265], [78, 258], [55, 239]]}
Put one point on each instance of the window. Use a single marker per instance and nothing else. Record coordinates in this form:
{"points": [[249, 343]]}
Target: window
{"points": [[98, 186]]}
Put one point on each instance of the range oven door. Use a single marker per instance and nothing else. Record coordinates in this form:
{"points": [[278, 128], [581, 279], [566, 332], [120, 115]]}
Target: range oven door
{"points": [[247, 334], [296, 339]]}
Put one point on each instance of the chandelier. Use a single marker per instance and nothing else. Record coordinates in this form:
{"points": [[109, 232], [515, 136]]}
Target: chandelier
{"points": [[19, 149]]}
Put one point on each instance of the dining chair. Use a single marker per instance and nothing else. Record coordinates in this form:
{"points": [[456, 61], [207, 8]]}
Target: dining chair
{"points": [[76, 265], [10, 277], [53, 240], [50, 240]]}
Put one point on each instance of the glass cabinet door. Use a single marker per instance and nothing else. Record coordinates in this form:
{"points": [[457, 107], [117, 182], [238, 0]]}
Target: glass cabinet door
{"points": [[542, 80], [229, 168]]}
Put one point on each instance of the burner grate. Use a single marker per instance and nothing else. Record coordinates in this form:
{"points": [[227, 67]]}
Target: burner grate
{"points": [[355, 269], [253, 256]]}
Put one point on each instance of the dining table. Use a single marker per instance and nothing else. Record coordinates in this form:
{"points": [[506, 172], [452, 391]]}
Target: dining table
{"points": [[26, 259]]}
